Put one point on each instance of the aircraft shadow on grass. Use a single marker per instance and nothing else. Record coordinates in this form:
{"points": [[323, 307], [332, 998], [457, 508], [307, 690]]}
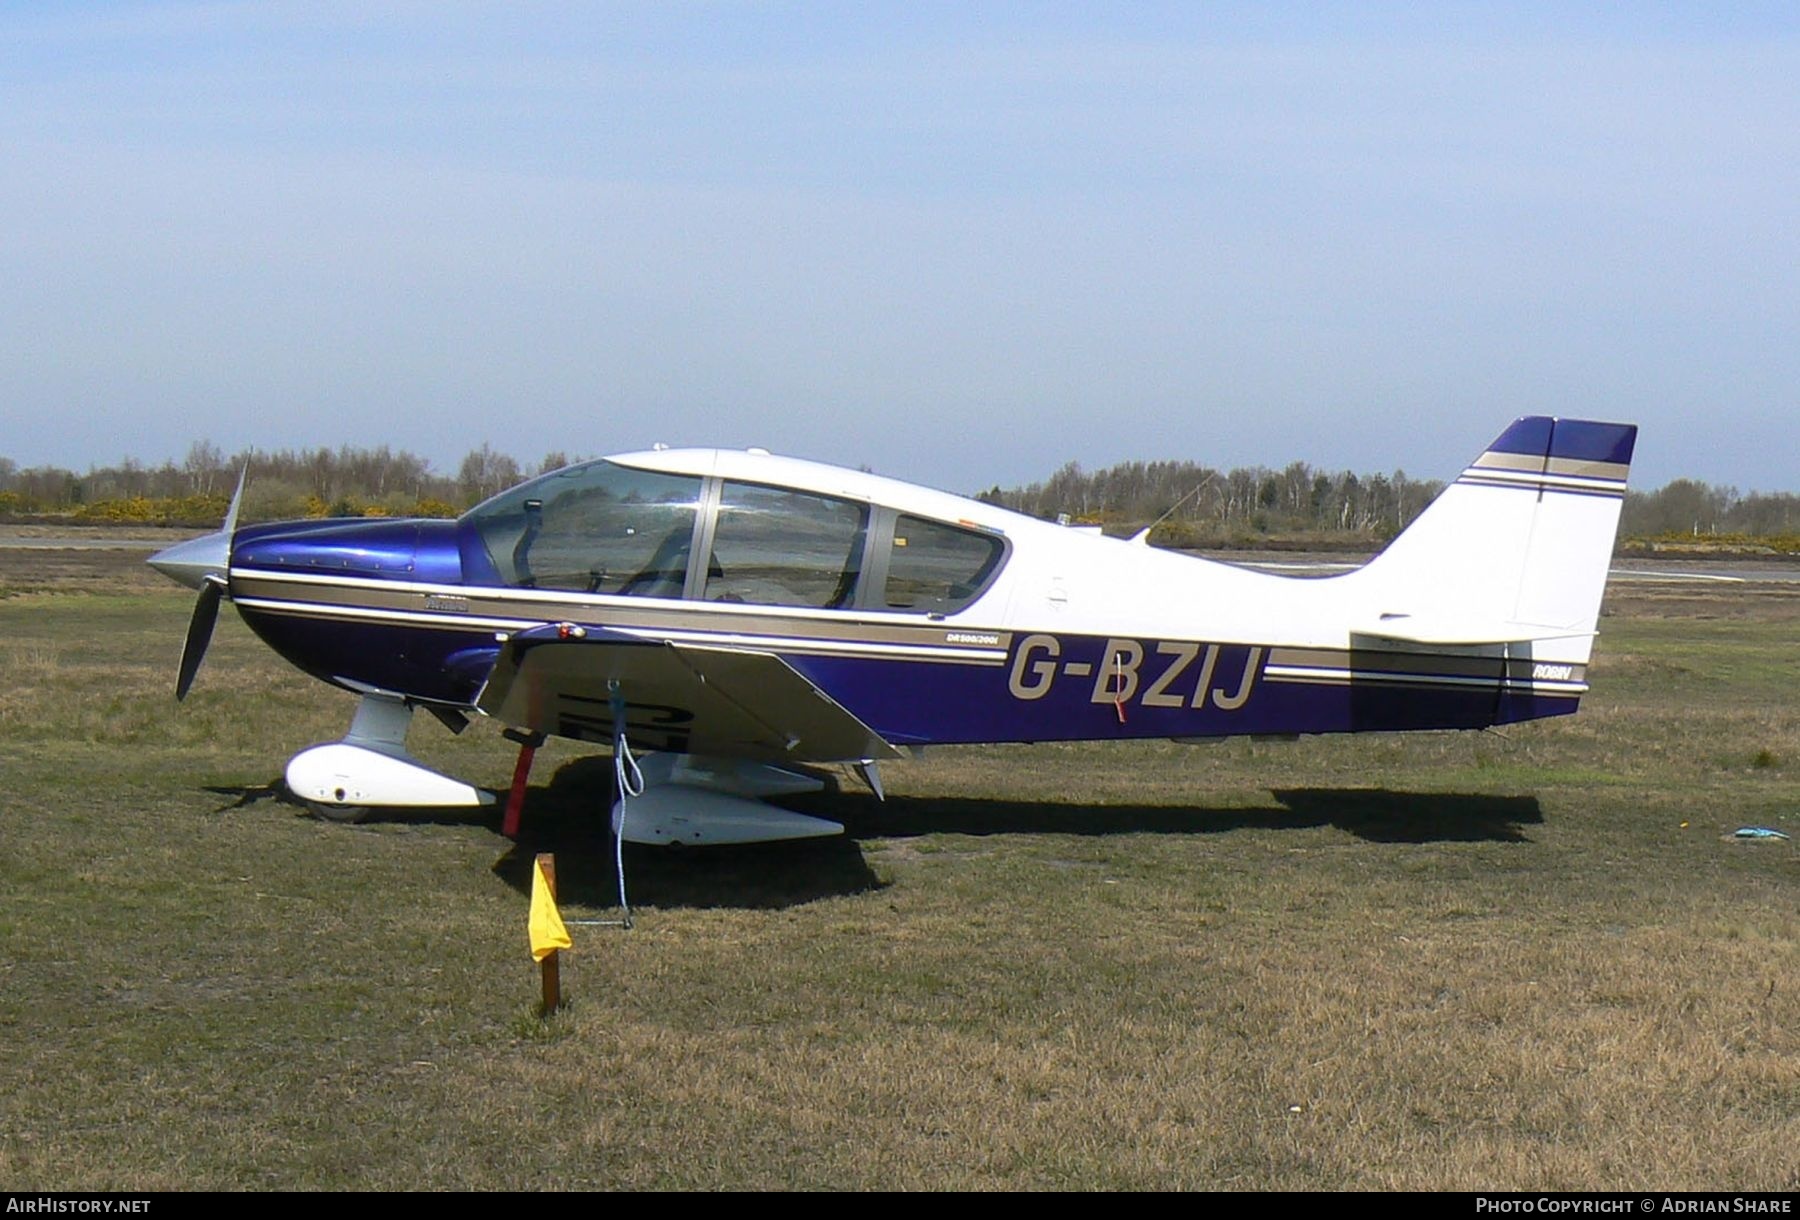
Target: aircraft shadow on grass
{"points": [[568, 817], [1377, 815], [245, 795]]}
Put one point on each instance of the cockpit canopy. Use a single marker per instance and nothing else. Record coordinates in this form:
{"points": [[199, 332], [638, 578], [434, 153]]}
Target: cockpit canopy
{"points": [[605, 528]]}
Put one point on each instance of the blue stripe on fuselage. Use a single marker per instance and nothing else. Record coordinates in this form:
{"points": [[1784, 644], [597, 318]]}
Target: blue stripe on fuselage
{"points": [[912, 704], [428, 663], [1052, 688]]}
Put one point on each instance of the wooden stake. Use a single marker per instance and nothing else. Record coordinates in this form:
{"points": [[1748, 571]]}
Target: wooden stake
{"points": [[551, 966]]}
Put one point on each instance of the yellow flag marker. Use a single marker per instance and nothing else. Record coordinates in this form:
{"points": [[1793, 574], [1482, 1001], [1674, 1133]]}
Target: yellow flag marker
{"points": [[547, 931]]}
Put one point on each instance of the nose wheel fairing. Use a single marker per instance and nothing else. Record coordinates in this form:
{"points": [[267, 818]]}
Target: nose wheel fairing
{"points": [[371, 768]]}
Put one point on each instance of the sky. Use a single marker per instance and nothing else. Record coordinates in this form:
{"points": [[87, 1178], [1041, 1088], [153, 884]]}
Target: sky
{"points": [[961, 244]]}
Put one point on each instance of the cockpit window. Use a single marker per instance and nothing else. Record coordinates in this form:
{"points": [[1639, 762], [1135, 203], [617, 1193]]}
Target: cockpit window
{"points": [[937, 568], [776, 547], [597, 528]]}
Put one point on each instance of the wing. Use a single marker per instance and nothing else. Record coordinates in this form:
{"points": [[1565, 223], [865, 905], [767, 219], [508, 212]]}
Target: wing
{"points": [[733, 702]]}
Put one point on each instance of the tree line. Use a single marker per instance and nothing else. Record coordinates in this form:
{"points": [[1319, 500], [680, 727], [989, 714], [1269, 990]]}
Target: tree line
{"points": [[1192, 503], [1189, 503], [1200, 504], [286, 483]]}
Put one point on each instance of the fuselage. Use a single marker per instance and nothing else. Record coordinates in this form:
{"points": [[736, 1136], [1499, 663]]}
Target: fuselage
{"points": [[931, 618]]}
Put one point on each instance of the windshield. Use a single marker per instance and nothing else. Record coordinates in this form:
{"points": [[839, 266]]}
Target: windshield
{"points": [[596, 527]]}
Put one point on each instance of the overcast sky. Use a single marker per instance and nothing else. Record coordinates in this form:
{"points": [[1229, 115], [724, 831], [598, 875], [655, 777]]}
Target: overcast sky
{"points": [[962, 244]]}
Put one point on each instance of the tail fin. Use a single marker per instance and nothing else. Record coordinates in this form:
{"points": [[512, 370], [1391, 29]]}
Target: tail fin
{"points": [[1517, 548]]}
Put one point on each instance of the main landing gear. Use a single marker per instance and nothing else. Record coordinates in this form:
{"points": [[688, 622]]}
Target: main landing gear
{"points": [[674, 800]]}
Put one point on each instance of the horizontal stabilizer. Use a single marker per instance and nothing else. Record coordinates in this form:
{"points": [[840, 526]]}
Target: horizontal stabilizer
{"points": [[1411, 630]]}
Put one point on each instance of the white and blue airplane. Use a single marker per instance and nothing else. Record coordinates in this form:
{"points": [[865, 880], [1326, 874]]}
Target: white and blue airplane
{"points": [[734, 616]]}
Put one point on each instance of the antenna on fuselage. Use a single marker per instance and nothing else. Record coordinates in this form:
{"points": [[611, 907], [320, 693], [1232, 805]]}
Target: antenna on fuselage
{"points": [[1142, 537]]}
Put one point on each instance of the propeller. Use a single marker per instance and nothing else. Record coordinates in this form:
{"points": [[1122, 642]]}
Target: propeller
{"points": [[199, 634], [204, 564]]}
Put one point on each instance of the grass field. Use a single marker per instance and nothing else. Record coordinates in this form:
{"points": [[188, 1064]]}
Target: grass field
{"points": [[1525, 961]]}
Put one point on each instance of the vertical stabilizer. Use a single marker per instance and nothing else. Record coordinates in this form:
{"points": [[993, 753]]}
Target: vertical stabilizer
{"points": [[1518, 546]]}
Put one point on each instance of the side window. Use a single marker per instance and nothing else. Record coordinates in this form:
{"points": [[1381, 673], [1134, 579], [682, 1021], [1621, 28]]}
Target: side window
{"points": [[936, 568], [774, 547], [596, 528]]}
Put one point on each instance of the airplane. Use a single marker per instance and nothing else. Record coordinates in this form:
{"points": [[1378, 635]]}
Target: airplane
{"points": [[728, 619]]}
